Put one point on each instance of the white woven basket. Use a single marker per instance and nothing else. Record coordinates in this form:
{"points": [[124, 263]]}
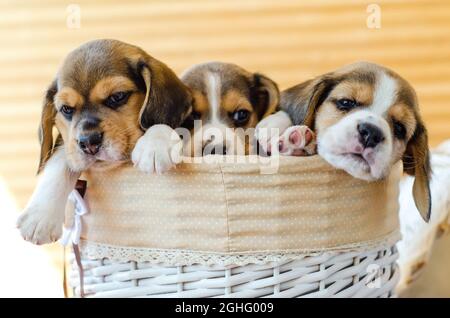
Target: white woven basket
{"points": [[351, 274], [228, 231]]}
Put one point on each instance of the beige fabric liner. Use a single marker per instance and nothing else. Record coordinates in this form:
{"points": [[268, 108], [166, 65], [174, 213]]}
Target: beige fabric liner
{"points": [[228, 208], [232, 209]]}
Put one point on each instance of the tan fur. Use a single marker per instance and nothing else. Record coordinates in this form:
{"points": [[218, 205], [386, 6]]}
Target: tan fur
{"points": [[361, 92], [98, 69], [68, 96], [233, 100], [200, 104], [405, 115], [46, 126], [110, 85], [312, 103], [327, 115], [88, 76], [239, 90], [120, 126]]}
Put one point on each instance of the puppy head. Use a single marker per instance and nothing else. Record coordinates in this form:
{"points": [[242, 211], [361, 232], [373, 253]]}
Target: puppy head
{"points": [[105, 93], [366, 118], [226, 98]]}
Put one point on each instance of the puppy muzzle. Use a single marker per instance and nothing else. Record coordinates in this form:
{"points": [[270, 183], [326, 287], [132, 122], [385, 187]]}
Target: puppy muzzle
{"points": [[90, 144], [90, 136], [369, 135]]}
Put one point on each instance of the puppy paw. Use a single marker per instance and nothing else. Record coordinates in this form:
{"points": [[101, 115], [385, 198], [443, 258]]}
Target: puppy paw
{"points": [[271, 128], [297, 141], [40, 226], [158, 150]]}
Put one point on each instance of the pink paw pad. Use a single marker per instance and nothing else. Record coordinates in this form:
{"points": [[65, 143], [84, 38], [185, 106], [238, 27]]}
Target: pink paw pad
{"points": [[299, 138], [298, 141]]}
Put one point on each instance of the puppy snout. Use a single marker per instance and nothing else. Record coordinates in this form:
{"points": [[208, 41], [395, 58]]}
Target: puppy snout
{"points": [[90, 123], [370, 135], [90, 143]]}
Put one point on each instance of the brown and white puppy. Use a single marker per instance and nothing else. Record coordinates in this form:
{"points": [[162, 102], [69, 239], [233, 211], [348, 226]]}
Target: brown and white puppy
{"points": [[227, 101], [366, 118], [104, 96]]}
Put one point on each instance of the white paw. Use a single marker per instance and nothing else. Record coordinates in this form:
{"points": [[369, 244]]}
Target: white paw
{"points": [[271, 127], [39, 225], [158, 150], [297, 141]]}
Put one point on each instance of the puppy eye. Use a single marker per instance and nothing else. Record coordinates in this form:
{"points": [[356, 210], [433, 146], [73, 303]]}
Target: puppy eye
{"points": [[67, 111], [117, 99], [346, 104], [399, 130], [240, 117]]}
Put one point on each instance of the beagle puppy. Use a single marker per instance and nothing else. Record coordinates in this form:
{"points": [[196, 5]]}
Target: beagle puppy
{"points": [[365, 118], [228, 102], [104, 96]]}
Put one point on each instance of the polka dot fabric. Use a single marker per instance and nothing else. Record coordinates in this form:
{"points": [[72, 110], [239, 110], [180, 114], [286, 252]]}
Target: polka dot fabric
{"points": [[229, 208]]}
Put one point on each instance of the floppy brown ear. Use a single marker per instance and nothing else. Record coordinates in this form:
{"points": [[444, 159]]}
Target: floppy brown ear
{"points": [[167, 99], [46, 126], [264, 95], [302, 101], [416, 162]]}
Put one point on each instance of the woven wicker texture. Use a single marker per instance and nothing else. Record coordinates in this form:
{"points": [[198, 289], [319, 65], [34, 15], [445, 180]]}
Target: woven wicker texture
{"points": [[334, 274], [307, 206]]}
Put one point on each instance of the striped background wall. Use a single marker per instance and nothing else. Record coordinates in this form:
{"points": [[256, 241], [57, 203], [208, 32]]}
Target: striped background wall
{"points": [[288, 40]]}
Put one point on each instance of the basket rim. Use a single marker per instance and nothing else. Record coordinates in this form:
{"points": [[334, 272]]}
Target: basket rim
{"points": [[183, 257]]}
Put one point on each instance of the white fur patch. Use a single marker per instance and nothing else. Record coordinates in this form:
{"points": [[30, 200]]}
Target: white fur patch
{"points": [[338, 144], [214, 91], [158, 150], [43, 217], [214, 131], [271, 128], [384, 95]]}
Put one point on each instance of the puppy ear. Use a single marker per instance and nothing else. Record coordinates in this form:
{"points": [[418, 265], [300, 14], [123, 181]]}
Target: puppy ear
{"points": [[416, 162], [302, 101], [46, 126], [167, 99], [264, 95]]}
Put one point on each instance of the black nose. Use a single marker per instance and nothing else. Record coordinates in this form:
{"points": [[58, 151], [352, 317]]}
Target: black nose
{"points": [[216, 150], [90, 144], [369, 135]]}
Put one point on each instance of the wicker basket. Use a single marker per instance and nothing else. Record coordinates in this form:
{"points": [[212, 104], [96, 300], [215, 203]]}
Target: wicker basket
{"points": [[306, 231], [350, 274]]}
